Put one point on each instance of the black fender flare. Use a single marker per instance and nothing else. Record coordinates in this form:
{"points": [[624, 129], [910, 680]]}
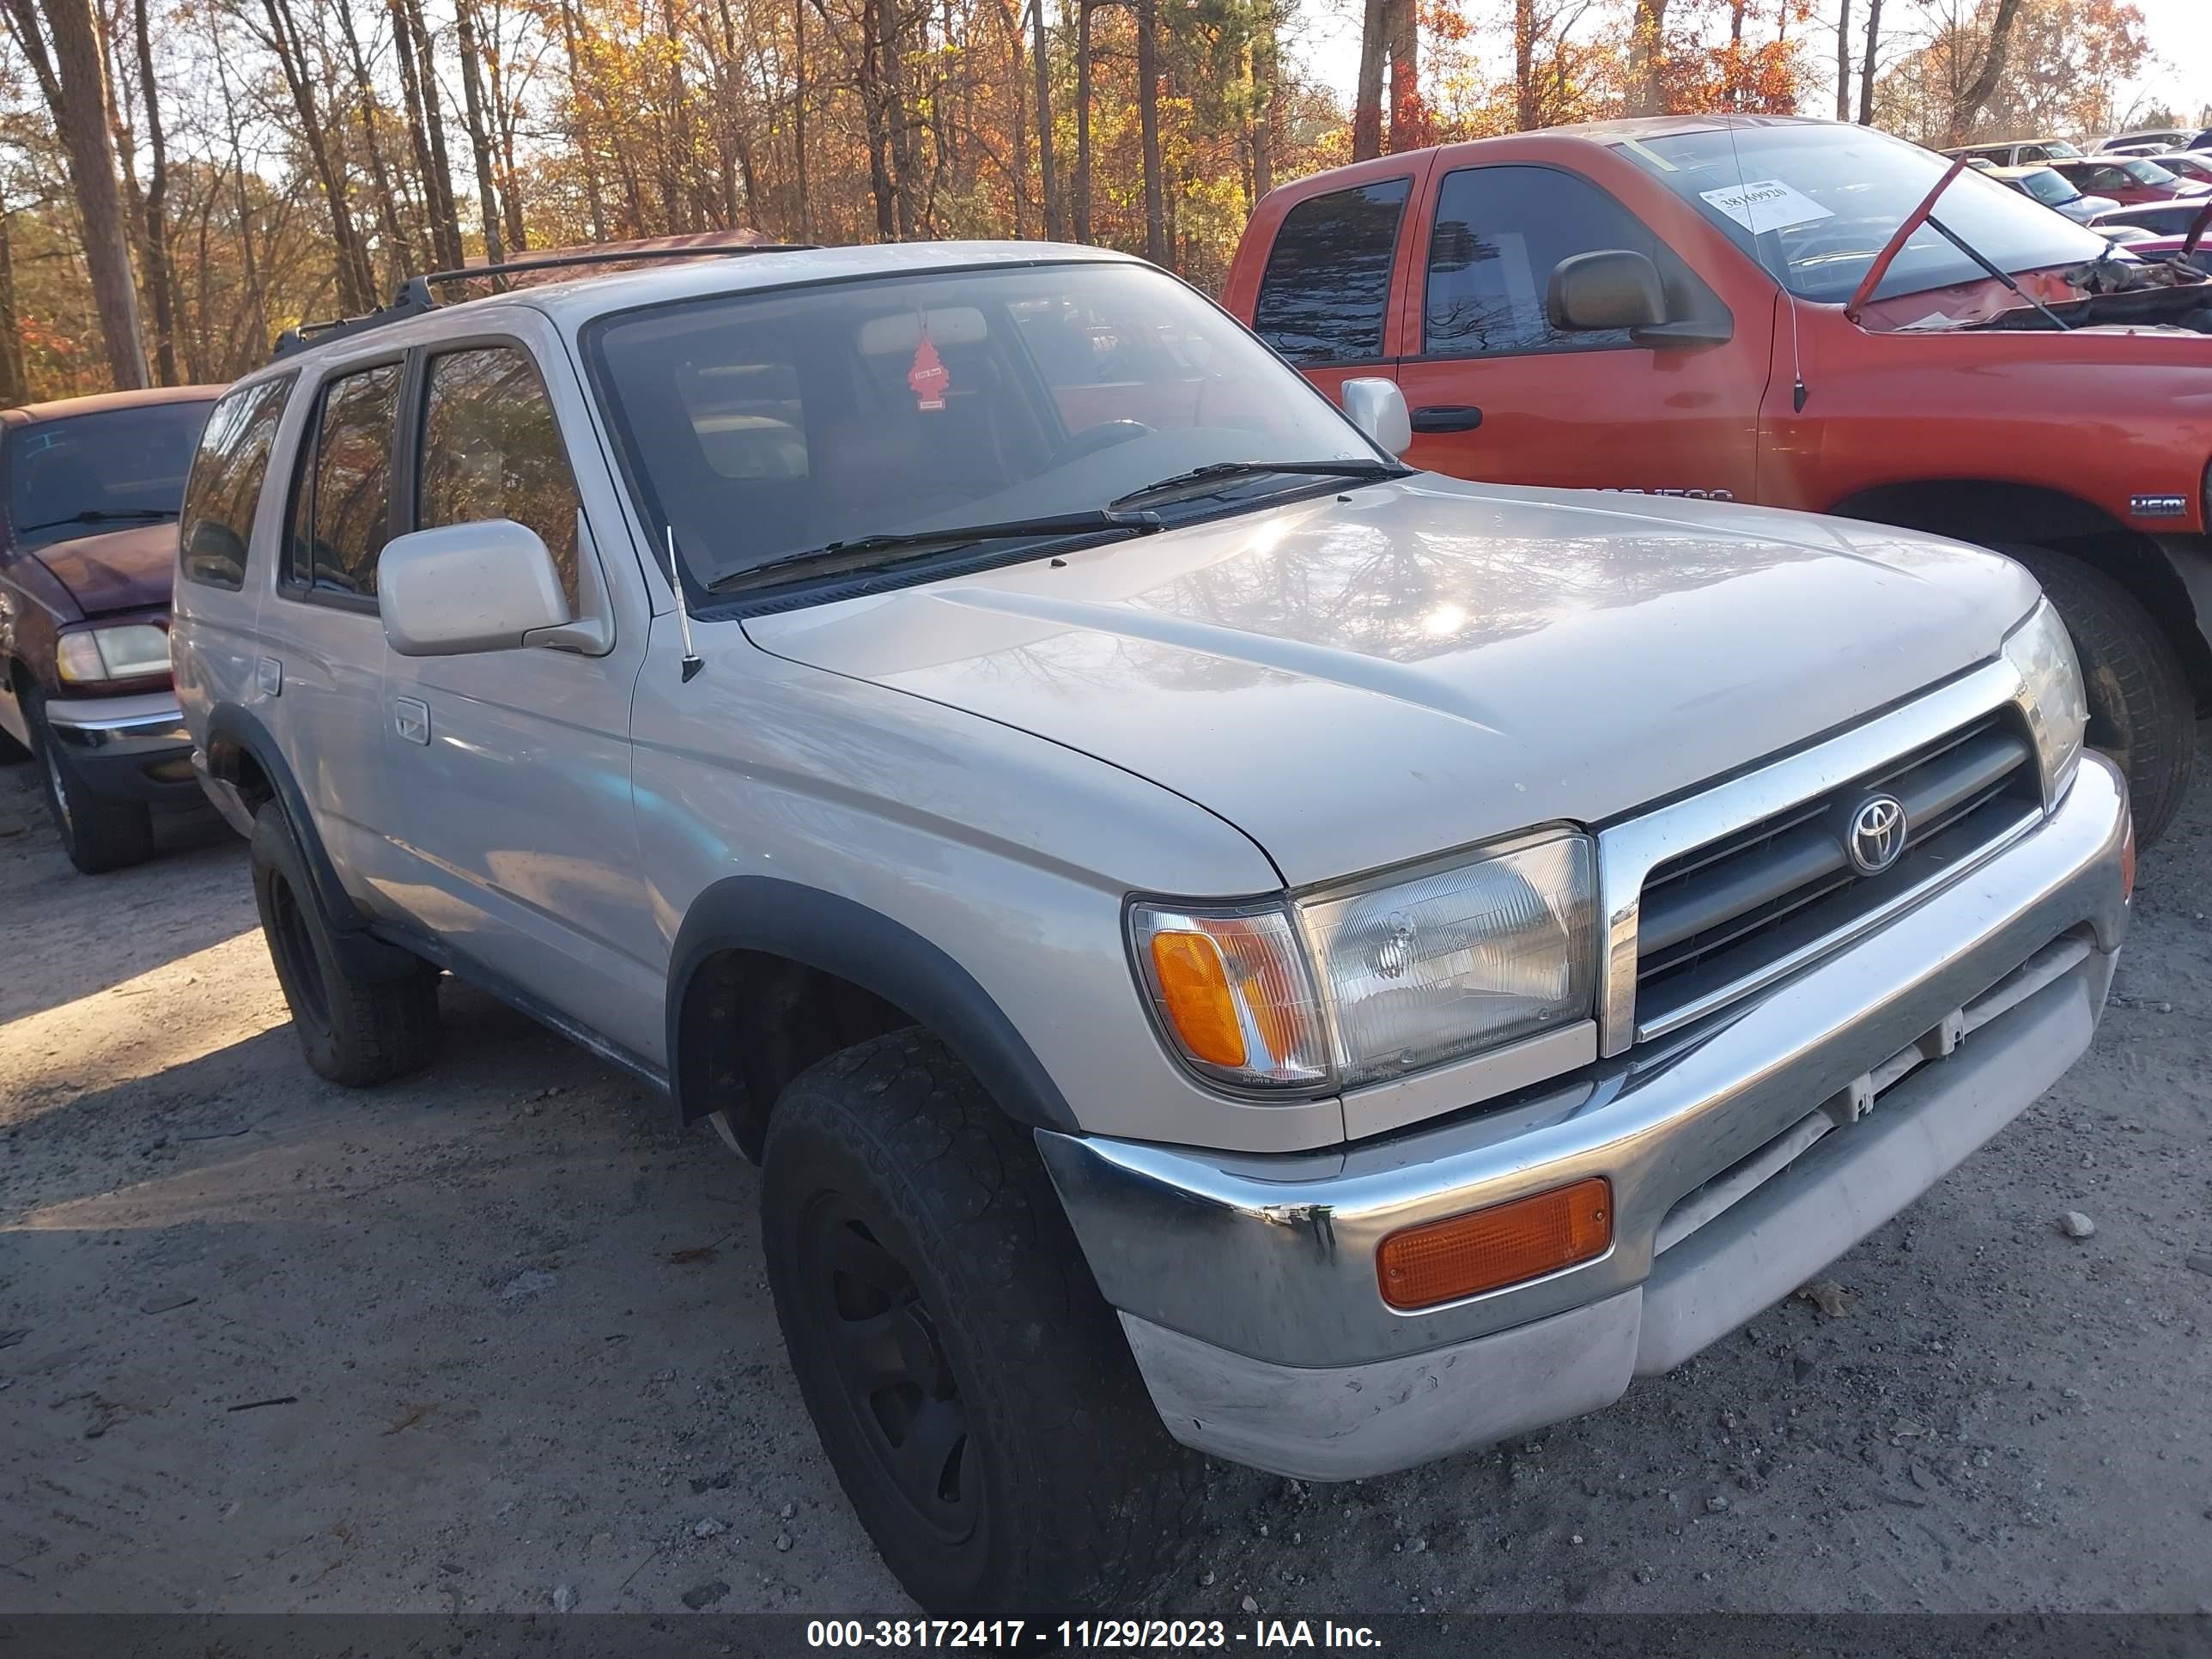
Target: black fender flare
{"points": [[231, 732], [836, 935]]}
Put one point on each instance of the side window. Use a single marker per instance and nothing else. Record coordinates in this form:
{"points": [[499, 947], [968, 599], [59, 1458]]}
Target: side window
{"points": [[341, 510], [1499, 234], [491, 449], [225, 482], [1327, 288]]}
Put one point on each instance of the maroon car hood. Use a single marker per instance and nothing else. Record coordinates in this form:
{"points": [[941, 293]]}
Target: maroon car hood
{"points": [[129, 569]]}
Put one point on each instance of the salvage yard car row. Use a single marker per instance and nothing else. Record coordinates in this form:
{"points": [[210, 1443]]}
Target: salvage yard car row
{"points": [[1055, 787]]}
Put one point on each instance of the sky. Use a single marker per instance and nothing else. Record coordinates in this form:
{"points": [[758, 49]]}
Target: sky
{"points": [[2180, 75]]}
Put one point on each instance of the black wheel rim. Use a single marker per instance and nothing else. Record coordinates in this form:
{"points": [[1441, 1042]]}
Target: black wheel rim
{"points": [[295, 954], [884, 1350]]}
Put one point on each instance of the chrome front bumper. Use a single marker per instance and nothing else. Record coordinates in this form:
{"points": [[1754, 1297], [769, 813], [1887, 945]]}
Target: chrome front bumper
{"points": [[146, 726], [1744, 1154]]}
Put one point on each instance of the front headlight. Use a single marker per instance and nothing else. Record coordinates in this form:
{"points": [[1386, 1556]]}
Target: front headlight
{"points": [[2050, 695], [129, 653], [1372, 980]]}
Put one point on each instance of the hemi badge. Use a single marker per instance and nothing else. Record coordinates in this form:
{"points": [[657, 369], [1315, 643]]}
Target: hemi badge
{"points": [[2158, 507]]}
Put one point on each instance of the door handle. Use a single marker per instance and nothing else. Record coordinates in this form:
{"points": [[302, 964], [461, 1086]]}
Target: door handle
{"points": [[410, 717], [1447, 418]]}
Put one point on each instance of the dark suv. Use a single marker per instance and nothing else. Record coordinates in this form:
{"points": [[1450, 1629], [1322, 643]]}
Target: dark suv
{"points": [[89, 490]]}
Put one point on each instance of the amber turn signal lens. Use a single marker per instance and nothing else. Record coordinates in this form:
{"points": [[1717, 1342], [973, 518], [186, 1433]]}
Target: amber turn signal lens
{"points": [[1195, 991], [2128, 862], [1467, 1255]]}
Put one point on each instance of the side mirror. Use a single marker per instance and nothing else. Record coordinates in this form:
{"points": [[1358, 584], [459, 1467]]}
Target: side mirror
{"points": [[1378, 409], [467, 587], [1613, 288]]}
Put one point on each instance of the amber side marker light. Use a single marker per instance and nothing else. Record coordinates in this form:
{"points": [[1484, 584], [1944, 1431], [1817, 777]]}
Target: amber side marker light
{"points": [[2128, 863], [1466, 1255]]}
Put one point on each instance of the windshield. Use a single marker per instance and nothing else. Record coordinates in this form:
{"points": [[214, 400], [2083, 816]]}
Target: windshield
{"points": [[1815, 204], [2048, 187], [84, 473], [762, 425]]}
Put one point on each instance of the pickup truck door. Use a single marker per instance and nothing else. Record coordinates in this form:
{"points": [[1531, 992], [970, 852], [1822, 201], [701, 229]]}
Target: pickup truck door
{"points": [[508, 772], [1498, 393]]}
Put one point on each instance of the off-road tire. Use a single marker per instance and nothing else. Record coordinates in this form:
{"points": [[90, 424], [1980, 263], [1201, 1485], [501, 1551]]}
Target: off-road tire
{"points": [[2143, 713], [98, 834], [353, 1031], [1079, 1498]]}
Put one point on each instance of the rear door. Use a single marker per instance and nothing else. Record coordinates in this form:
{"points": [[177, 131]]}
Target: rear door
{"points": [[1498, 393]]}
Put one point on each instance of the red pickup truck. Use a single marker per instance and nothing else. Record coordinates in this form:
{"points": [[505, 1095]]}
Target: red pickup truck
{"points": [[1797, 314]]}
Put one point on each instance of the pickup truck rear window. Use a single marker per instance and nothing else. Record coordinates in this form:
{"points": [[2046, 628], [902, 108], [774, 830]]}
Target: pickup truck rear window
{"points": [[1327, 288]]}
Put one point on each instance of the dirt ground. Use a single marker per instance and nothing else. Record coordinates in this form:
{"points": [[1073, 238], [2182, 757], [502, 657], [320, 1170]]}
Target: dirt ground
{"points": [[496, 1339]]}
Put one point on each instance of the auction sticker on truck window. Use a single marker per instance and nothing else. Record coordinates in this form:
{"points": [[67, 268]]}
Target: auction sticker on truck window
{"points": [[1768, 204]]}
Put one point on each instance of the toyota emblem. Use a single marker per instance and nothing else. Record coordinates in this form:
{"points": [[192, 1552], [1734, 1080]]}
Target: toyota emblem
{"points": [[1876, 839]]}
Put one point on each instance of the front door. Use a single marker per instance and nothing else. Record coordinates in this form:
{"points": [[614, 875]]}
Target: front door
{"points": [[509, 771], [1498, 393]]}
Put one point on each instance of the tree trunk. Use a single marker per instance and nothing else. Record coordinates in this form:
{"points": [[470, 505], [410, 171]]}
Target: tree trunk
{"points": [[14, 383], [1082, 120], [399, 253], [1843, 60], [1526, 103], [1055, 216], [356, 282], [799, 120], [1984, 84], [1406, 122], [408, 24], [1866, 62], [161, 277], [77, 88], [257, 301], [891, 67], [1266, 64], [579, 134], [479, 134], [874, 118], [1148, 125], [1647, 59], [1367, 103]]}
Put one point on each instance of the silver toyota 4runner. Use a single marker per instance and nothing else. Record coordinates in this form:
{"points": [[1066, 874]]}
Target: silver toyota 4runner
{"points": [[1212, 938]]}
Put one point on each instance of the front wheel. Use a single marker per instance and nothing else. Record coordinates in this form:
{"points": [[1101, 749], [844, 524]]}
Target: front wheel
{"points": [[972, 1387], [98, 834], [2141, 712]]}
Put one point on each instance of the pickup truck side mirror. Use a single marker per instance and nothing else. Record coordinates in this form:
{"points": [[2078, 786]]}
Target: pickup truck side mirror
{"points": [[467, 587], [1377, 407], [1613, 288]]}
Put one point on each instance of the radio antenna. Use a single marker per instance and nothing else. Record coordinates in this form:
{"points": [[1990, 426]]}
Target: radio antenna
{"points": [[692, 660]]}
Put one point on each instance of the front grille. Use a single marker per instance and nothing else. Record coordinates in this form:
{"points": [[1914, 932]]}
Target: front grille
{"points": [[1726, 913]]}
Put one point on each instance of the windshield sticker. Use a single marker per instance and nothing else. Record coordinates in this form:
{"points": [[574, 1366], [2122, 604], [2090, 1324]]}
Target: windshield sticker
{"points": [[927, 377], [1769, 204]]}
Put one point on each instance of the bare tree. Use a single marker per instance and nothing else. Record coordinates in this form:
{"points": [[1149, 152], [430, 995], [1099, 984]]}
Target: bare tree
{"points": [[1367, 98], [160, 283], [1055, 216], [1843, 60], [14, 383], [1866, 62], [1647, 59], [1978, 92], [1148, 119]]}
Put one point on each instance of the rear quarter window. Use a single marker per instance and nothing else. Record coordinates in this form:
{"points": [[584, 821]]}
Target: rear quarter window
{"points": [[224, 486], [1326, 289]]}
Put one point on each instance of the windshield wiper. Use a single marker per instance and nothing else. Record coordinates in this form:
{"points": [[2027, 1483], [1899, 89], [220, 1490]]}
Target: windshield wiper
{"points": [[852, 554], [100, 515], [1221, 471], [1925, 213]]}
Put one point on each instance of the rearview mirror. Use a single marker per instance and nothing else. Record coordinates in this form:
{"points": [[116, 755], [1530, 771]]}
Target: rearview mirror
{"points": [[1613, 288], [1378, 409], [467, 587]]}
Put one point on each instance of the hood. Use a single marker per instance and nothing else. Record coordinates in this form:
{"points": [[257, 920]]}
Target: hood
{"points": [[131, 570], [1359, 681]]}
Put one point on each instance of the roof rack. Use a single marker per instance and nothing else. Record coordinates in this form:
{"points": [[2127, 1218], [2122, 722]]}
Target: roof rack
{"points": [[415, 296]]}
